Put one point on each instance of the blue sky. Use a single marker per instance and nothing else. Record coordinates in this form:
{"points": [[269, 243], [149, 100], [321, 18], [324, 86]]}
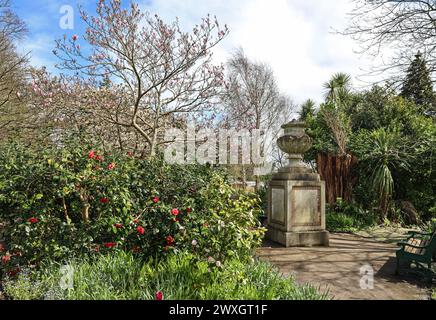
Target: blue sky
{"points": [[294, 36]]}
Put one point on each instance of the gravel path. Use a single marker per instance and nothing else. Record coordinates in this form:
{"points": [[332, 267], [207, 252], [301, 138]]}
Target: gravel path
{"points": [[337, 268]]}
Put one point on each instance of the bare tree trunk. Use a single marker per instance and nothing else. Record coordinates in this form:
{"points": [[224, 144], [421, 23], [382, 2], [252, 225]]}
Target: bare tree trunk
{"points": [[66, 215], [337, 173], [85, 208]]}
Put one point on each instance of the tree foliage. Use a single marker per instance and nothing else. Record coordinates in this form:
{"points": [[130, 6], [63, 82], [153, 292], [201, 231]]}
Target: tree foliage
{"points": [[418, 86]]}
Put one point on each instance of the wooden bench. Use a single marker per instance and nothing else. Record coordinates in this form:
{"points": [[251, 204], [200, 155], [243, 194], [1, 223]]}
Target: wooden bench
{"points": [[420, 248]]}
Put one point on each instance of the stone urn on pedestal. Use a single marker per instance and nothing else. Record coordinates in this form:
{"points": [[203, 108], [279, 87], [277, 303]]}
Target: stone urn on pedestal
{"points": [[296, 195]]}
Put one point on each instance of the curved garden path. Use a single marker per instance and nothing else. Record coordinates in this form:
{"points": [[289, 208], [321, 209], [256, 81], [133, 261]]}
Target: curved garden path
{"points": [[337, 268]]}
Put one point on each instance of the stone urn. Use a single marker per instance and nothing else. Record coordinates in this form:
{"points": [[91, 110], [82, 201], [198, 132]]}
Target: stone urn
{"points": [[295, 142]]}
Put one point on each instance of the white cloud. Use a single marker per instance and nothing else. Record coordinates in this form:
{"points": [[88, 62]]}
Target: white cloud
{"points": [[296, 37], [40, 48]]}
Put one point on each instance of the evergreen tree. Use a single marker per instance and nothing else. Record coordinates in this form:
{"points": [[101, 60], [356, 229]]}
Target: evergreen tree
{"points": [[307, 109], [418, 86]]}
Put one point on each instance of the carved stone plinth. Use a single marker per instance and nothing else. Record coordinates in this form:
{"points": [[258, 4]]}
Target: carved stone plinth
{"points": [[296, 196]]}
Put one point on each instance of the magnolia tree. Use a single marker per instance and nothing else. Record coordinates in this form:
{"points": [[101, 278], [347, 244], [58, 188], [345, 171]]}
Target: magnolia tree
{"points": [[59, 106], [165, 72]]}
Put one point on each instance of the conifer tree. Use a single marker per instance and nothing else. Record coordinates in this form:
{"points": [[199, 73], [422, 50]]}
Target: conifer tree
{"points": [[418, 86]]}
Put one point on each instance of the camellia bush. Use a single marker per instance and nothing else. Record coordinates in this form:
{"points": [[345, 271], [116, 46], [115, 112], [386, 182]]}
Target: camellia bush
{"points": [[72, 200]]}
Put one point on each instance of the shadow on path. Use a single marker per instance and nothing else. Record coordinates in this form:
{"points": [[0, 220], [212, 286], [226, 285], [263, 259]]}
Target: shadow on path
{"points": [[341, 268]]}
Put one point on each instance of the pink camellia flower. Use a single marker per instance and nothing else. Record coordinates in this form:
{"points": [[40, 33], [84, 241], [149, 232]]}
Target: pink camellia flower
{"points": [[111, 166], [156, 199], [104, 200], [140, 230], [175, 212], [33, 220], [75, 37], [159, 295], [118, 225], [91, 154], [6, 259]]}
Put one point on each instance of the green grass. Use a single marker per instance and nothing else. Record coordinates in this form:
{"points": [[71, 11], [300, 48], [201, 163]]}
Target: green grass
{"points": [[122, 277]]}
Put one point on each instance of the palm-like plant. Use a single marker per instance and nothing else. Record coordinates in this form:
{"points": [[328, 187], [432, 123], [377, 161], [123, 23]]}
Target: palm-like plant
{"points": [[337, 88], [382, 152]]}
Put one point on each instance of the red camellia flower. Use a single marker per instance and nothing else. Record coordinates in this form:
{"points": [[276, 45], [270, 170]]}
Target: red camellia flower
{"points": [[110, 245], [104, 200], [6, 259], [33, 220], [75, 37], [156, 199], [140, 230], [159, 295], [118, 225], [175, 212], [188, 210], [111, 166], [170, 240], [98, 158], [2, 247], [91, 154]]}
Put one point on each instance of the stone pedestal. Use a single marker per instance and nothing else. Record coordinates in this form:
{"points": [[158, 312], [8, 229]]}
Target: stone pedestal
{"points": [[296, 197]]}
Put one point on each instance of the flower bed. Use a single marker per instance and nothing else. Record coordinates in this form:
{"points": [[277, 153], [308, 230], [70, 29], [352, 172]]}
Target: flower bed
{"points": [[120, 276]]}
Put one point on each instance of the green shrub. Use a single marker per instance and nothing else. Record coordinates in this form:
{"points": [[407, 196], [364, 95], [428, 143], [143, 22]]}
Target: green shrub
{"points": [[62, 202], [344, 217], [182, 277]]}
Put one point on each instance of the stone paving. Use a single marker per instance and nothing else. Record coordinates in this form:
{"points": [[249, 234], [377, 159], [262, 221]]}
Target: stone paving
{"points": [[337, 268]]}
